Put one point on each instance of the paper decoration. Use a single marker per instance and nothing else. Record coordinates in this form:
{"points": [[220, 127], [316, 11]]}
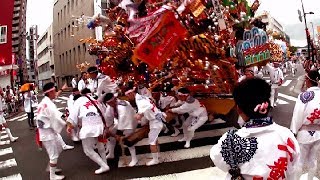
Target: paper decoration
{"points": [[162, 41]]}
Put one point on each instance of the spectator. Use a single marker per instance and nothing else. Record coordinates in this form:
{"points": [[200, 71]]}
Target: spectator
{"points": [[74, 81]]}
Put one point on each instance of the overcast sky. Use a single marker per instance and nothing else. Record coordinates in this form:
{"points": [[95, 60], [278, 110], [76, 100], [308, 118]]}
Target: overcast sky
{"points": [[39, 12]]}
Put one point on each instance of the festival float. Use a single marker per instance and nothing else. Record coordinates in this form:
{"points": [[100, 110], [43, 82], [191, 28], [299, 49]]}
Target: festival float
{"points": [[198, 44]]}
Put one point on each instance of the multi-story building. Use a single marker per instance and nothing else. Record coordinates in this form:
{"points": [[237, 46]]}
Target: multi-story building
{"points": [[32, 61], [13, 41], [67, 30], [273, 24], [45, 61]]}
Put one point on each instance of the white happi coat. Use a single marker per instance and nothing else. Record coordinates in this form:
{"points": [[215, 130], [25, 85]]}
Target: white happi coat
{"points": [[92, 124], [49, 120], [70, 102], [126, 113], [28, 101], [103, 84], [307, 113], [166, 101], [262, 152], [276, 75], [82, 85], [197, 113], [150, 111]]}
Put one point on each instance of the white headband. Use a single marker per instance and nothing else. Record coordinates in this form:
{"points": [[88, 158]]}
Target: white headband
{"points": [[130, 91], [49, 90], [111, 99], [181, 94]]}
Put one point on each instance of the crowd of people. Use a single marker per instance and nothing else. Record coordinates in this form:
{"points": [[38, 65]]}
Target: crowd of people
{"points": [[101, 115]]}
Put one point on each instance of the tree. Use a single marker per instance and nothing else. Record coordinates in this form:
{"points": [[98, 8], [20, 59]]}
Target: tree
{"points": [[293, 49]]}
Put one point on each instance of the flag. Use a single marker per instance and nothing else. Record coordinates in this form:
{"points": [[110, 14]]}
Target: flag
{"points": [[162, 41]]}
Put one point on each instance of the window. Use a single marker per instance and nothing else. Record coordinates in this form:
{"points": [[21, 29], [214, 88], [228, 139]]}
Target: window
{"points": [[64, 11], [69, 33], [84, 47], [72, 4], [3, 34], [68, 7], [58, 17]]}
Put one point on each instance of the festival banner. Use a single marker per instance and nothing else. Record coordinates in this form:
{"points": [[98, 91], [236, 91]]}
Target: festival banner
{"points": [[162, 41]]}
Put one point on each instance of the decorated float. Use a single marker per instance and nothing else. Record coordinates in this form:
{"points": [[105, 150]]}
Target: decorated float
{"points": [[198, 44]]}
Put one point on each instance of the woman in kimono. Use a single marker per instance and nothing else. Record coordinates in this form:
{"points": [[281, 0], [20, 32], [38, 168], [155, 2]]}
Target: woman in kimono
{"points": [[305, 123], [261, 149]]}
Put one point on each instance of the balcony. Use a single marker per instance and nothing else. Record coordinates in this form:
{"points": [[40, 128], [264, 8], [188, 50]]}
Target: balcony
{"points": [[16, 9], [15, 29], [16, 15], [15, 43], [15, 22], [17, 3], [15, 35], [15, 50]]}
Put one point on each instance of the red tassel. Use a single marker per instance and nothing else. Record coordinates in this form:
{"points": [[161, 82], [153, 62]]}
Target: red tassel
{"points": [[39, 143]]}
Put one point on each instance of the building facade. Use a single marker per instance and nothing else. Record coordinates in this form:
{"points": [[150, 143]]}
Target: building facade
{"points": [[13, 41], [67, 31], [45, 61], [273, 24], [32, 60]]}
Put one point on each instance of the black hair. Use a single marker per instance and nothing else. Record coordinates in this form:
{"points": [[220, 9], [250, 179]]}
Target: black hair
{"points": [[107, 97], [184, 91], [77, 96], [249, 93], [82, 73], [92, 69], [85, 91], [75, 89], [314, 77], [48, 86]]}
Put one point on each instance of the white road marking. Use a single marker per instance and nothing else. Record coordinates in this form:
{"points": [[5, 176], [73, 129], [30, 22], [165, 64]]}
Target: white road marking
{"points": [[212, 173], [4, 136], [291, 98], [18, 117], [64, 98], [57, 100], [8, 163], [63, 102], [198, 135], [172, 156], [282, 102], [12, 177], [6, 151], [286, 83], [22, 119]]}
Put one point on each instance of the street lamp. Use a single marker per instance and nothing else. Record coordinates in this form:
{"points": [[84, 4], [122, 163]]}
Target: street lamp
{"points": [[307, 30]]}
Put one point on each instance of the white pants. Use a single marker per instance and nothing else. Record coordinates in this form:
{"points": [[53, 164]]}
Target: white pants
{"points": [[2, 119], [53, 148], [308, 156], [191, 124], [274, 94], [88, 145], [153, 135]]}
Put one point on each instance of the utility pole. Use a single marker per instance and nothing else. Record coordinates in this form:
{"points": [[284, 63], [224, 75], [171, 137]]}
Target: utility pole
{"points": [[307, 30]]}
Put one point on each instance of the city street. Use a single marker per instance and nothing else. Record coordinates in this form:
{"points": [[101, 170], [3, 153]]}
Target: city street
{"points": [[22, 159]]}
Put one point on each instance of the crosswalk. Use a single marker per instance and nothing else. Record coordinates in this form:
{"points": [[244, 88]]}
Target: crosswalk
{"points": [[7, 159], [171, 151]]}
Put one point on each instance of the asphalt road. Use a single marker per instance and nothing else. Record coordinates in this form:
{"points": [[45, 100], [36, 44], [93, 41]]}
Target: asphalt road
{"points": [[23, 160]]}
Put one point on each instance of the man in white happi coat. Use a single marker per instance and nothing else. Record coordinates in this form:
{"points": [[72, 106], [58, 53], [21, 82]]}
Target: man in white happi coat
{"points": [[70, 103], [85, 109], [83, 82], [197, 114], [305, 124], [124, 120], [147, 110], [3, 122], [261, 149], [101, 84], [50, 124], [276, 80]]}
